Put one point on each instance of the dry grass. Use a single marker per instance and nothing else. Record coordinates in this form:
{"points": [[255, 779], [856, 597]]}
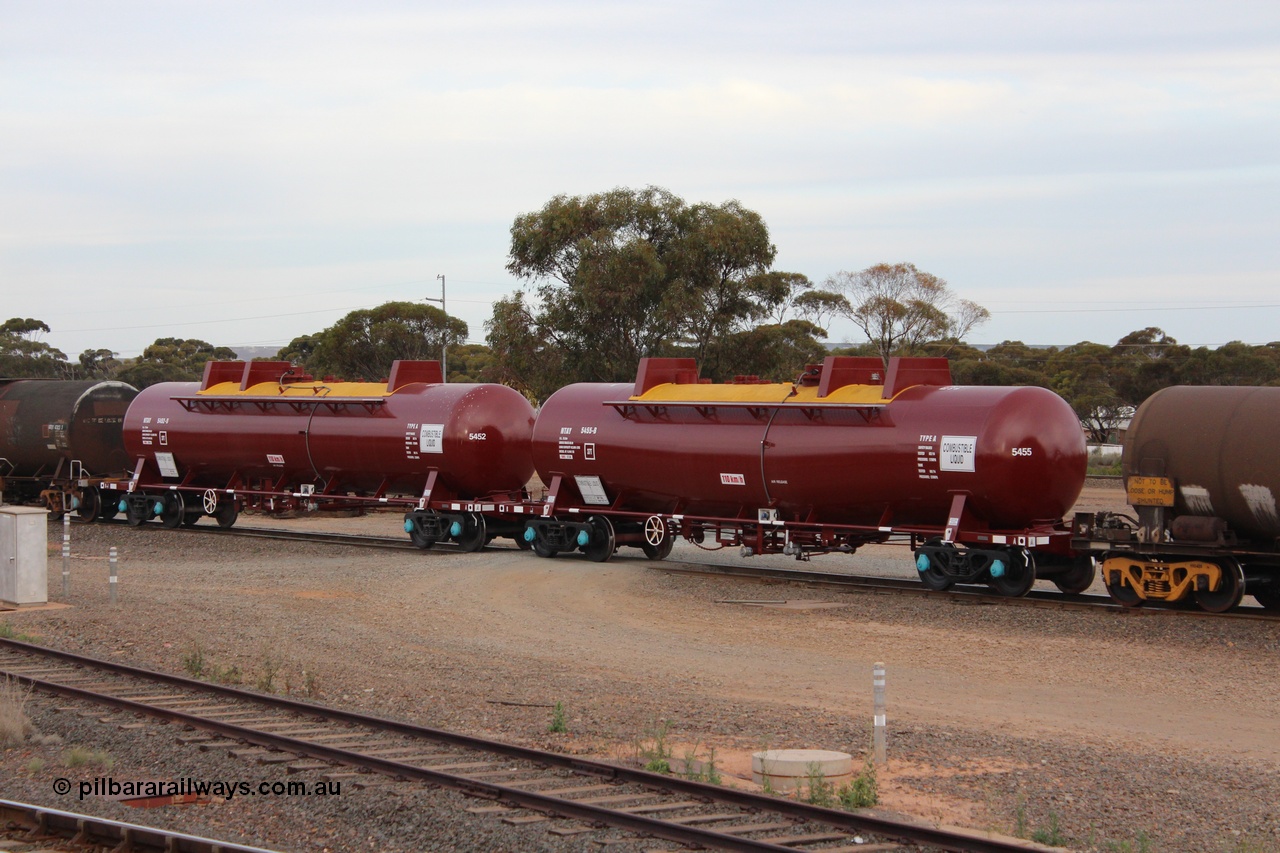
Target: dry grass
{"points": [[15, 725]]}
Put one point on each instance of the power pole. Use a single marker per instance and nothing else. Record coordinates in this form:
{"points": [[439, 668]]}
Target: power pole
{"points": [[444, 347]]}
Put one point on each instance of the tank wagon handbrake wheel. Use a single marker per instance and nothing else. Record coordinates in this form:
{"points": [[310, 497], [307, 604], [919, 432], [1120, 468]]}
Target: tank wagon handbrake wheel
{"points": [[655, 530], [210, 501], [659, 539]]}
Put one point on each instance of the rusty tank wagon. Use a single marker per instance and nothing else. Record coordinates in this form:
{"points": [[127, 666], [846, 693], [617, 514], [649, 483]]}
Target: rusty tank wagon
{"points": [[1202, 479]]}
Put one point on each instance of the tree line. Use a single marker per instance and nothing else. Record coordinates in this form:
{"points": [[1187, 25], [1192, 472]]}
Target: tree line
{"points": [[1104, 384], [609, 278]]}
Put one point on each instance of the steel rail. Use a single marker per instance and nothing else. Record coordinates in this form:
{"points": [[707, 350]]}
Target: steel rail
{"points": [[112, 833], [1036, 598], [362, 540], [920, 834]]}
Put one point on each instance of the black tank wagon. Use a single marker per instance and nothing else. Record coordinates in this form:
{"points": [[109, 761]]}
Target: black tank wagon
{"points": [[59, 436]]}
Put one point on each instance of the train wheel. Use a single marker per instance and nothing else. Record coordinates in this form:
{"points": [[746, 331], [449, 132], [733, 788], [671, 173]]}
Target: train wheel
{"points": [[522, 543], [544, 550], [1124, 595], [934, 579], [1018, 577], [931, 576], [226, 513], [90, 505], [473, 536], [1229, 593], [661, 552], [1121, 593], [1078, 578], [192, 517], [175, 509], [658, 540], [603, 542]]}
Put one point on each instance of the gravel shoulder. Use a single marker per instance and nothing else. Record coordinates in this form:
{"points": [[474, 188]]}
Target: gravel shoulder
{"points": [[1118, 730]]}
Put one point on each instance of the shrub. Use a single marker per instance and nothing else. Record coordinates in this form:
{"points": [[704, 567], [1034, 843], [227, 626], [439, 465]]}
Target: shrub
{"points": [[559, 724], [862, 791], [15, 725]]}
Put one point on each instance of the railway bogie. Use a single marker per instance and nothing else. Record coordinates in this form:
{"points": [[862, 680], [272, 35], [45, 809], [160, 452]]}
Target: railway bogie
{"points": [[469, 530], [1008, 571]]}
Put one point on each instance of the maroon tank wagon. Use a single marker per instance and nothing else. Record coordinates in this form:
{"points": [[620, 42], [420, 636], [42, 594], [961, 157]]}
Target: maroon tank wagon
{"points": [[260, 434], [977, 479]]}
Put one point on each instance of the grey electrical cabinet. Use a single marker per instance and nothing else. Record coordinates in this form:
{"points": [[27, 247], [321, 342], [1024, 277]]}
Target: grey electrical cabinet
{"points": [[24, 555]]}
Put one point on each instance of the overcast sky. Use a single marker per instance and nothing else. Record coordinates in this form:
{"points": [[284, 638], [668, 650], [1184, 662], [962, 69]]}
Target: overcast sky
{"points": [[248, 172]]}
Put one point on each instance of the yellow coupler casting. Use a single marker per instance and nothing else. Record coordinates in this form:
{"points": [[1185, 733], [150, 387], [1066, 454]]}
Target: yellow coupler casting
{"points": [[1156, 581]]}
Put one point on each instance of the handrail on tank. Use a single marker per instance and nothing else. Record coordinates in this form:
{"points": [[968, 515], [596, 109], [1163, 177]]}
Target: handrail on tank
{"points": [[191, 402]]}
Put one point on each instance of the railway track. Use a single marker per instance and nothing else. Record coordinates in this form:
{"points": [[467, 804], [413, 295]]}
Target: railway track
{"points": [[574, 795], [1043, 599], [38, 827], [829, 580]]}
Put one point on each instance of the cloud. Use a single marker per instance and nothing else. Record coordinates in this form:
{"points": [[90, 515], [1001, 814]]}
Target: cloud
{"points": [[157, 153]]}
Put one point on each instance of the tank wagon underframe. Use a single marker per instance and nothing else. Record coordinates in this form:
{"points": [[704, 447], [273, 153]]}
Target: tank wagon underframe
{"points": [[178, 504], [551, 528]]}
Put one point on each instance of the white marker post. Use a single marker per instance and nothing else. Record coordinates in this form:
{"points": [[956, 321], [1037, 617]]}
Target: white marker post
{"points": [[112, 560], [878, 731], [66, 554]]}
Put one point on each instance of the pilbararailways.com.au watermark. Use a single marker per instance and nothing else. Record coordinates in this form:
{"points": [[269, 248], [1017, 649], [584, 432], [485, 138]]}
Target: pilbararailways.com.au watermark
{"points": [[225, 789]]}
